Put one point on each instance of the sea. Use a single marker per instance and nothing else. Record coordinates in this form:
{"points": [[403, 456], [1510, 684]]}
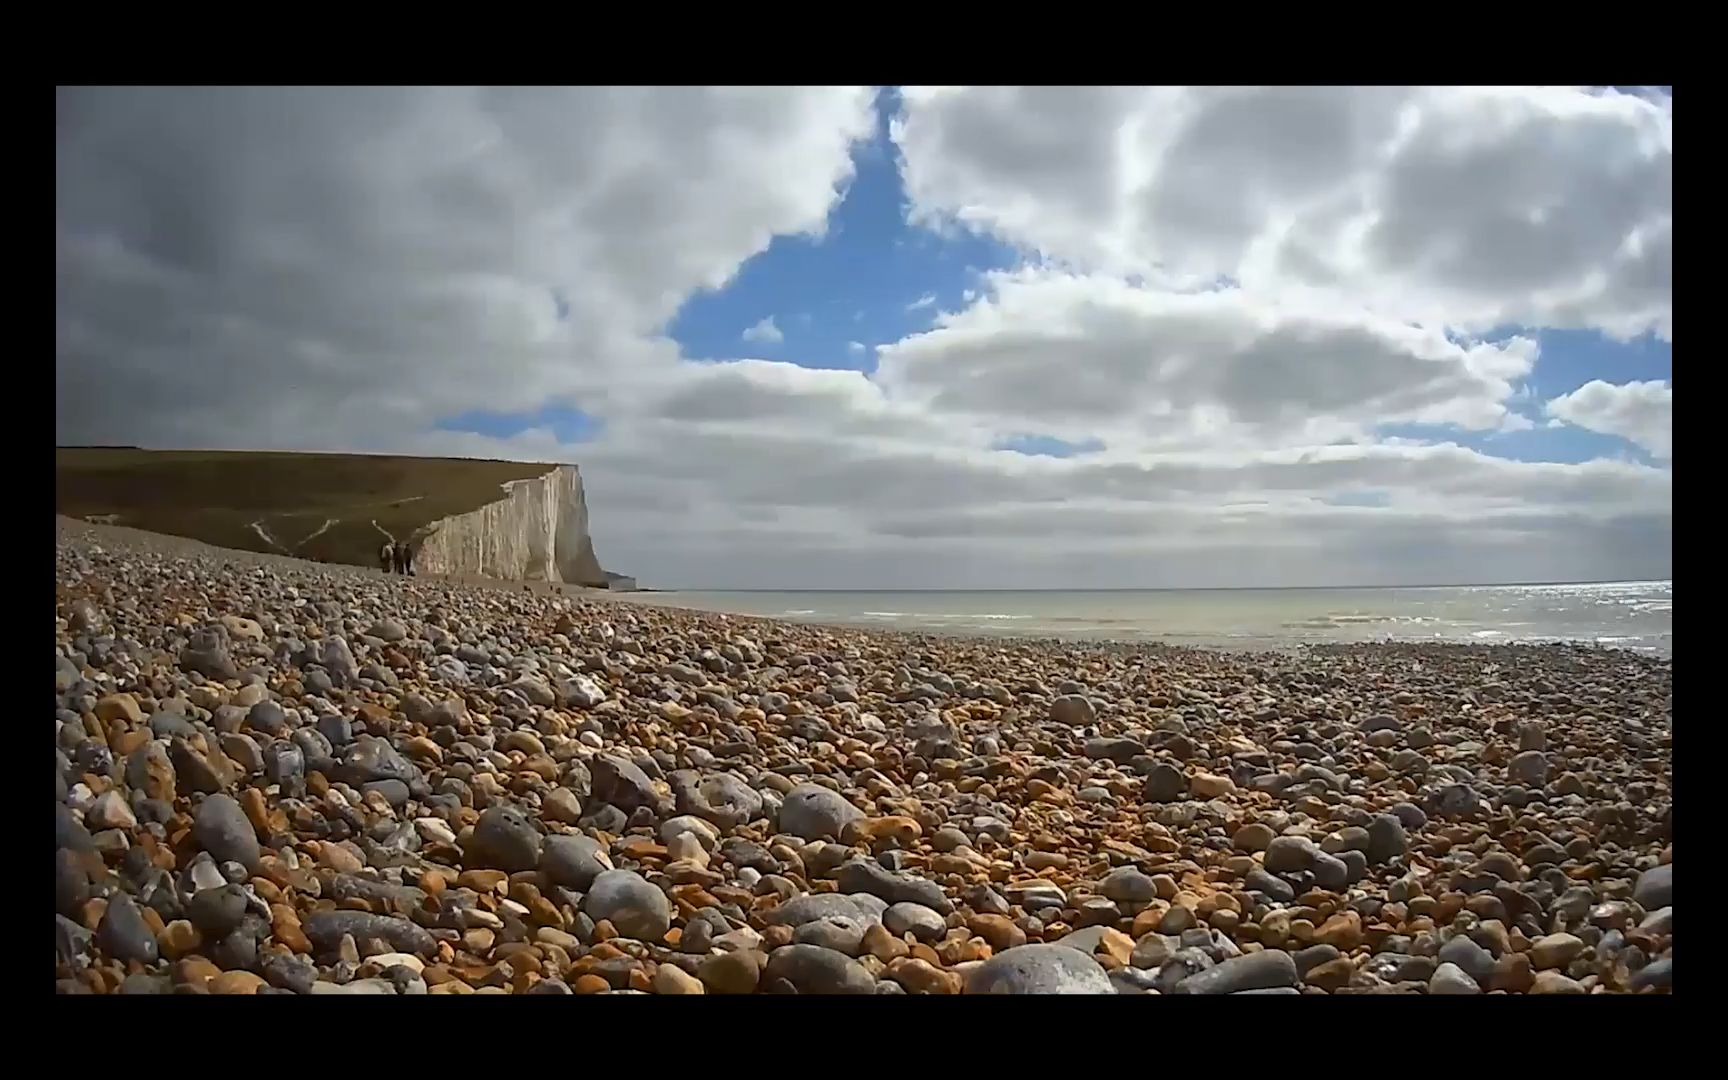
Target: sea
{"points": [[1635, 615]]}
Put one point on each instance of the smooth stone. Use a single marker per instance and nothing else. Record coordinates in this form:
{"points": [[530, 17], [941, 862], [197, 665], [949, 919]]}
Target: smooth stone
{"points": [[1469, 957], [504, 839], [1275, 889], [1262, 970], [813, 812], [1039, 969], [802, 909], [1255, 837], [1386, 839], [636, 908], [1314, 956], [1074, 710], [72, 943], [621, 783], [217, 912], [1655, 888], [1452, 979], [923, 923], [837, 932], [1165, 783], [1555, 950], [1126, 884], [1658, 974], [71, 881], [222, 829], [815, 970], [735, 972], [573, 861], [123, 933], [1288, 854], [864, 876], [1152, 951]]}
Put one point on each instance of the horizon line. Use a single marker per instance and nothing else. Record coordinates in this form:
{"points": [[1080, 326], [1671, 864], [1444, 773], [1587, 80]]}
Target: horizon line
{"points": [[1200, 588]]}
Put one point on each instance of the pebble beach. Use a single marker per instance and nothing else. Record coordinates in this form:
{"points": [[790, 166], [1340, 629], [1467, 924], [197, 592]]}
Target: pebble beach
{"points": [[282, 777]]}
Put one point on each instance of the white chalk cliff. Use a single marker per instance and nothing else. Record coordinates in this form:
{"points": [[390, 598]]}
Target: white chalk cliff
{"points": [[537, 532]]}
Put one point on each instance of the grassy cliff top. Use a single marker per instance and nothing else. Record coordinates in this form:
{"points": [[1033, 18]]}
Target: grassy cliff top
{"points": [[329, 507]]}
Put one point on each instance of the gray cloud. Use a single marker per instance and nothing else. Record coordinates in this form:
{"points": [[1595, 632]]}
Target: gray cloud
{"points": [[338, 269], [1472, 207]]}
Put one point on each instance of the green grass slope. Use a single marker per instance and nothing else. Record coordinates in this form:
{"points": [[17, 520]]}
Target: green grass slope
{"points": [[313, 506]]}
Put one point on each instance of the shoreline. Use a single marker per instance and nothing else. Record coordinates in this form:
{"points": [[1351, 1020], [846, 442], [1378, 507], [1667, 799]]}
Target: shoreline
{"points": [[278, 776], [658, 600]]}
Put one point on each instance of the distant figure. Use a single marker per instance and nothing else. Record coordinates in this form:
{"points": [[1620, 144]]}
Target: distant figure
{"points": [[387, 557], [406, 552]]}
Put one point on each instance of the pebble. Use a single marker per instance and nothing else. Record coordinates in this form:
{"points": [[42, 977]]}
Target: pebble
{"points": [[1469, 957], [222, 829], [1039, 969], [504, 839], [923, 923], [1452, 979], [671, 979], [812, 969], [573, 861], [736, 972], [634, 907], [1263, 970], [1655, 888], [841, 933], [798, 807], [123, 932], [813, 812], [1555, 950]]}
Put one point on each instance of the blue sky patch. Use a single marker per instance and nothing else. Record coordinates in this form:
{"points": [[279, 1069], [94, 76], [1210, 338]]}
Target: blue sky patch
{"points": [[1566, 445], [1047, 446], [570, 425], [870, 280]]}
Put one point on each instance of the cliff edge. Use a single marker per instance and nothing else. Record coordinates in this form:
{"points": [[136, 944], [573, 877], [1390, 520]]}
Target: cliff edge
{"points": [[537, 532]]}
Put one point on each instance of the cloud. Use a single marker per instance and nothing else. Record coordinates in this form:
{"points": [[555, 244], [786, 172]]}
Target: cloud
{"points": [[1639, 412], [927, 300], [1076, 355], [337, 268], [342, 270], [1468, 207], [764, 332]]}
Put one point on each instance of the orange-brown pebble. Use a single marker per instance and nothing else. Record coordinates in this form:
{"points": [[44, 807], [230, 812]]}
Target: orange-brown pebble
{"points": [[482, 881], [193, 971], [178, 938], [878, 942], [998, 930], [672, 979], [590, 984], [917, 976], [235, 982]]}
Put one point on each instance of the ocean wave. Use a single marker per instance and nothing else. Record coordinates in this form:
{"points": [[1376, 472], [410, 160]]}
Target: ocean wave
{"points": [[800, 611]]}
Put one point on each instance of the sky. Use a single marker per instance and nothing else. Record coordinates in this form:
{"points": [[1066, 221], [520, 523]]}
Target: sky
{"points": [[917, 337]]}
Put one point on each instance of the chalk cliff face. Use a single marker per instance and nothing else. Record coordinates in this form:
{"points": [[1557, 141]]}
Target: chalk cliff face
{"points": [[538, 531]]}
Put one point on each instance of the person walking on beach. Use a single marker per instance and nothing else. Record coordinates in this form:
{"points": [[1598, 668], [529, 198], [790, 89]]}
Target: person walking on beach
{"points": [[407, 552], [387, 557]]}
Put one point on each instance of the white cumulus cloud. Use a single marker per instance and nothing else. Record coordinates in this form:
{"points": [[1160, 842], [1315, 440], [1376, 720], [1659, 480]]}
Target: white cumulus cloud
{"points": [[1639, 412], [1471, 207], [764, 332]]}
